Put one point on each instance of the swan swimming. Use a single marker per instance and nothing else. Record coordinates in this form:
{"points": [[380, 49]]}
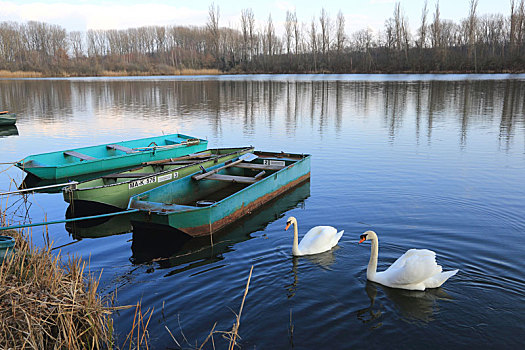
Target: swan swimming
{"points": [[319, 239], [415, 270]]}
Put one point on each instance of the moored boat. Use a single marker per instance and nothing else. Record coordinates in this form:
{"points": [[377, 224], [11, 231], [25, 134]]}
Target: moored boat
{"points": [[7, 118], [114, 190], [111, 157], [204, 203]]}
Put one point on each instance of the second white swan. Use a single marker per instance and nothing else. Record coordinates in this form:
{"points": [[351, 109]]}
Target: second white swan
{"points": [[415, 270], [319, 239]]}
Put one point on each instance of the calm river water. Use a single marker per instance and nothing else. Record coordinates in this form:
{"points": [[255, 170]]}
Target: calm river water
{"points": [[427, 161]]}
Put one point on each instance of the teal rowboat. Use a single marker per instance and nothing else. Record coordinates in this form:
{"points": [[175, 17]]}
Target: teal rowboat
{"points": [[7, 118], [102, 159], [202, 204], [114, 190]]}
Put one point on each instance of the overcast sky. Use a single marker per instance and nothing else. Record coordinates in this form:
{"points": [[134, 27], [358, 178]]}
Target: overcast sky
{"points": [[120, 14]]}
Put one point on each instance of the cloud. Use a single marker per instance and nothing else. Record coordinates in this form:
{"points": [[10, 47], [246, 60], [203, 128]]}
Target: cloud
{"points": [[83, 16]]}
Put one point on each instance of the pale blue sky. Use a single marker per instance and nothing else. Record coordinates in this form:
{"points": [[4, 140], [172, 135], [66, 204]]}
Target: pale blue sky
{"points": [[120, 14]]}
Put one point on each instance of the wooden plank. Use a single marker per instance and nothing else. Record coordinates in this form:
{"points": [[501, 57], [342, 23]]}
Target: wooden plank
{"points": [[259, 166], [205, 175], [127, 175], [79, 155], [120, 148], [259, 175], [231, 178], [195, 156]]}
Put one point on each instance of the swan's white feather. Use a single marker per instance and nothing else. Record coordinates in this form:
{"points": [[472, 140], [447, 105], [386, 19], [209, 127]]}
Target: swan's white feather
{"points": [[319, 239], [417, 269]]}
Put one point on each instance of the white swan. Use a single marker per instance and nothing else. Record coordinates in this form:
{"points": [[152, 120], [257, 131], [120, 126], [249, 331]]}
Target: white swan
{"points": [[415, 270], [319, 239]]}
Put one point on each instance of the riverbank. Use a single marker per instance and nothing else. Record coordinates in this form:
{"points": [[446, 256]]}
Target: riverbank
{"points": [[106, 73]]}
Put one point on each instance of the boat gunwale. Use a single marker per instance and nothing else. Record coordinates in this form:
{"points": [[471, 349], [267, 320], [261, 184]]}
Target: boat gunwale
{"points": [[21, 163], [70, 189], [195, 208]]}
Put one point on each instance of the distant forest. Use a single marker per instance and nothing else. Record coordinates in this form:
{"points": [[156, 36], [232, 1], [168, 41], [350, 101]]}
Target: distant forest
{"points": [[488, 43]]}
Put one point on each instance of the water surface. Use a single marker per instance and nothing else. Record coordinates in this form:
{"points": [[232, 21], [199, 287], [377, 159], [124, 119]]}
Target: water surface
{"points": [[427, 161]]}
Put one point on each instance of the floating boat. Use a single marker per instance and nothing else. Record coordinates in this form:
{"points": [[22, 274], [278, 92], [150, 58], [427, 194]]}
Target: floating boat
{"points": [[103, 159], [114, 190], [7, 118], [204, 203], [169, 249]]}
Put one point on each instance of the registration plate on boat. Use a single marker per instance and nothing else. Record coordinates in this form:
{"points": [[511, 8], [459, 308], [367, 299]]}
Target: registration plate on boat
{"points": [[167, 177], [274, 162], [142, 182]]}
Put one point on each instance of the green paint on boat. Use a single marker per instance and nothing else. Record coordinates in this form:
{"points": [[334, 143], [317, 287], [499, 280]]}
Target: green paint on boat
{"points": [[231, 193], [102, 159], [115, 190]]}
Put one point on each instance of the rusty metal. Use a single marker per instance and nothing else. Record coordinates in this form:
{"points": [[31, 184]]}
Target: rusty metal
{"points": [[209, 229]]}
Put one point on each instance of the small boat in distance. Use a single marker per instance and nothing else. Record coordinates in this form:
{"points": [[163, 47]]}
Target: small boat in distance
{"points": [[204, 203], [104, 159], [114, 190], [7, 118]]}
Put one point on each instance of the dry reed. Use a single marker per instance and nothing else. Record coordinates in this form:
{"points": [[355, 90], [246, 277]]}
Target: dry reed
{"points": [[45, 304], [20, 74], [231, 335]]}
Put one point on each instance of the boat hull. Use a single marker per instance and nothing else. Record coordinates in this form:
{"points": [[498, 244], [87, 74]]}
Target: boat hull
{"points": [[103, 159], [101, 192], [157, 207], [7, 119]]}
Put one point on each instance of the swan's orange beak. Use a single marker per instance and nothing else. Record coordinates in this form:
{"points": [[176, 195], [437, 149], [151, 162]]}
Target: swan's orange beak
{"points": [[287, 225], [363, 238]]}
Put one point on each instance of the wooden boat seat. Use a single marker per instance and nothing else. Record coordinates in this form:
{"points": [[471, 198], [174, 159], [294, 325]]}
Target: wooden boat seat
{"points": [[78, 155], [237, 179], [120, 148], [126, 175], [259, 166]]}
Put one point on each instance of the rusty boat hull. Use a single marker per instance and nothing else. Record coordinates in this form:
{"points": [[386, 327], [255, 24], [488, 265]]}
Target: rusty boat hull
{"points": [[201, 205]]}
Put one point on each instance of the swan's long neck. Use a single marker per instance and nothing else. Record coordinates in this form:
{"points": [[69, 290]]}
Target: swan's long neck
{"points": [[372, 264], [295, 247]]}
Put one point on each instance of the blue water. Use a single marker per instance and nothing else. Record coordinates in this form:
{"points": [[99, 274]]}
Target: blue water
{"points": [[426, 161]]}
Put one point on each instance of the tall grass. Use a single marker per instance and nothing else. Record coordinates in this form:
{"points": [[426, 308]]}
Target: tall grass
{"points": [[20, 74], [45, 304]]}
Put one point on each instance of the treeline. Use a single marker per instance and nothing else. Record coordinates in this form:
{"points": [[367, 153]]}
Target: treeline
{"points": [[488, 43]]}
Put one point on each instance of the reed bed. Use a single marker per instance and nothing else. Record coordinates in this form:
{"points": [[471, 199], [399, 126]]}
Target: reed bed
{"points": [[47, 304], [20, 74]]}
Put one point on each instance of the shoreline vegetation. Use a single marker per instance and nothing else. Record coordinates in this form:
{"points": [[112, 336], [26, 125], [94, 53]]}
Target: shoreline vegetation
{"points": [[49, 303], [489, 43]]}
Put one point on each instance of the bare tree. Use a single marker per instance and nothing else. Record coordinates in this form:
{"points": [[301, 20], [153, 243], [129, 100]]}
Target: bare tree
{"points": [[212, 26], [270, 36], [422, 31], [472, 27], [324, 21], [340, 32], [288, 32]]}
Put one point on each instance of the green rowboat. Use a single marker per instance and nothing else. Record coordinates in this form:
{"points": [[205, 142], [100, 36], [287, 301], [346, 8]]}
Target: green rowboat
{"points": [[7, 118], [202, 204], [103, 159], [114, 190]]}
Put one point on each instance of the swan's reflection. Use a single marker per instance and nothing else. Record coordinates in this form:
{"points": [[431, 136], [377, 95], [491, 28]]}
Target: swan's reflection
{"points": [[368, 314], [414, 306], [324, 260]]}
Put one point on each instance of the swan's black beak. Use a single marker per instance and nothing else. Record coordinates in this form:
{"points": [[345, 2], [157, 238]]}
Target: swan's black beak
{"points": [[363, 238], [287, 226]]}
